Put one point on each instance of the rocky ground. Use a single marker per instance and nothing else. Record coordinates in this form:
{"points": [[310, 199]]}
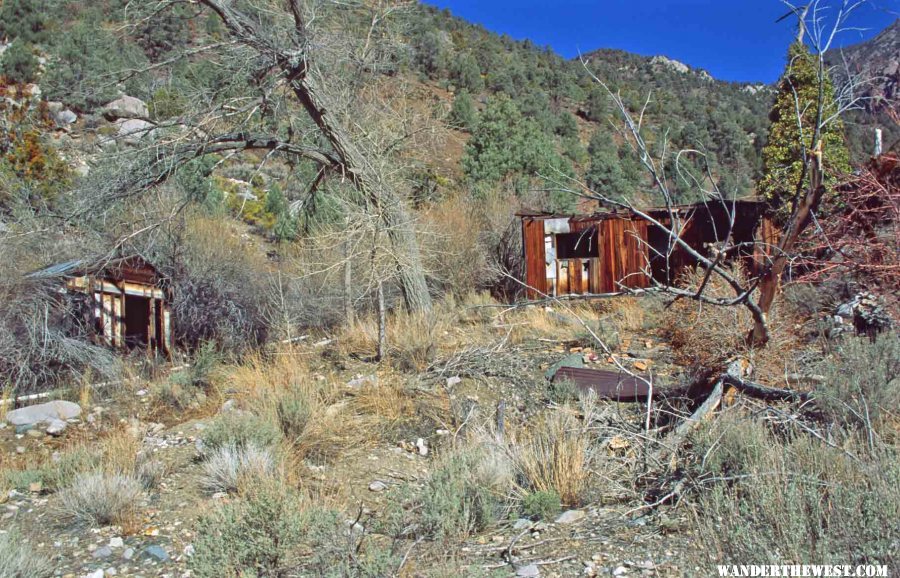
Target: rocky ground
{"points": [[609, 537]]}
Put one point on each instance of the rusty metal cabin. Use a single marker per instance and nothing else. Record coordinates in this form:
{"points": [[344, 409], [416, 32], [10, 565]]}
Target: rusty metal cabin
{"points": [[607, 252], [130, 307]]}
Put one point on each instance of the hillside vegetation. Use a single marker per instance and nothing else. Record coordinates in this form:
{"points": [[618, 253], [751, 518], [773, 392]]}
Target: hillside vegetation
{"points": [[361, 387]]}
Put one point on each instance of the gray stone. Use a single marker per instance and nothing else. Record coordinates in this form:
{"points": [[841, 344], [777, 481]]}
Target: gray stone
{"points": [[572, 360], [522, 523], [44, 412], [377, 486], [102, 552], [455, 380], [116, 542], [528, 571], [128, 554], [56, 427], [126, 107], [65, 117], [570, 517], [94, 574], [132, 130], [156, 552]]}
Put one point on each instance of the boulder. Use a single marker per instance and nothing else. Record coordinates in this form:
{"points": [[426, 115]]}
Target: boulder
{"points": [[570, 517], [65, 117], [126, 107], [44, 412], [131, 131], [56, 427]]}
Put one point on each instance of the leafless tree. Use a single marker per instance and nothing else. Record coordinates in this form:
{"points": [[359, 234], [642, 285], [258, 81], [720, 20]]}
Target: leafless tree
{"points": [[300, 68]]}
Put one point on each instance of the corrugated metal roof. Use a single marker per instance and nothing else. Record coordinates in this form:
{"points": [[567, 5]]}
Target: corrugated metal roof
{"points": [[58, 270], [612, 385]]}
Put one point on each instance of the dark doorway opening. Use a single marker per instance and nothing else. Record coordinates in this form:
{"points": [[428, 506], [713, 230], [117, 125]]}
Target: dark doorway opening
{"points": [[137, 320]]}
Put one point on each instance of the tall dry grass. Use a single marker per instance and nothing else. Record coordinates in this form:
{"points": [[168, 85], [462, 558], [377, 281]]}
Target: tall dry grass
{"points": [[553, 454]]}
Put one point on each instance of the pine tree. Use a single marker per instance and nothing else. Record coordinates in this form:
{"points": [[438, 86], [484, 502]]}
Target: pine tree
{"points": [[463, 114], [24, 20], [782, 156]]}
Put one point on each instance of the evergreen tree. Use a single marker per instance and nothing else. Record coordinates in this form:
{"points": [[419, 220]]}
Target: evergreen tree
{"points": [[507, 145], [467, 74], [606, 173], [24, 20], [782, 158], [463, 113], [18, 64]]}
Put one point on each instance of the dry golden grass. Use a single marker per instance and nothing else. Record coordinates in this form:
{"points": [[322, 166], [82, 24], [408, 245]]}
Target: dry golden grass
{"points": [[706, 336], [553, 454], [413, 339]]}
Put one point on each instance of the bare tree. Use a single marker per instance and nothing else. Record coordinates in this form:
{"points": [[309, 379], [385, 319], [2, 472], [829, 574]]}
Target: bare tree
{"points": [[757, 294], [294, 58]]}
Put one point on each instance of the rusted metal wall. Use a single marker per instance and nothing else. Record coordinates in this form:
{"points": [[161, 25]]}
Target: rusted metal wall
{"points": [[622, 261], [535, 257]]}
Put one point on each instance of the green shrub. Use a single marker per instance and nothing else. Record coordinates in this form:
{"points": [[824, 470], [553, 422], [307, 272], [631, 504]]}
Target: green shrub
{"points": [[254, 536], [562, 391], [294, 411], [187, 385], [269, 533], [22, 479], [239, 430], [794, 501], [862, 385], [454, 502], [17, 559], [542, 505], [18, 64]]}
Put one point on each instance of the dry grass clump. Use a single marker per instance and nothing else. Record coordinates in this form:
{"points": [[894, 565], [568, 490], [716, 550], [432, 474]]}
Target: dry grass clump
{"points": [[18, 559], [706, 336], [413, 339], [229, 467], [304, 415], [553, 455], [101, 499]]}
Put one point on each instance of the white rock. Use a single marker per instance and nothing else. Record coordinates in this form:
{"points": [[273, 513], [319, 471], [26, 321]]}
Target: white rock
{"points": [[132, 130], [43, 412], [620, 571], [94, 574], [56, 427], [377, 486], [451, 381], [126, 107], [116, 542], [529, 571], [570, 517], [65, 117], [421, 447]]}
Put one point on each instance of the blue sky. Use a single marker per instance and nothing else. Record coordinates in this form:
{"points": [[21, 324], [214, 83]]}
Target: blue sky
{"points": [[733, 39]]}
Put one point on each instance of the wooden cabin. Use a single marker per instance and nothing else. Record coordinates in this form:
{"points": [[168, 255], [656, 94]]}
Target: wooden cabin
{"points": [[130, 305], [606, 252]]}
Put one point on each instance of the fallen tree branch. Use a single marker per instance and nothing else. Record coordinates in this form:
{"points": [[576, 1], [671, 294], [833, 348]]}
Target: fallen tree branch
{"points": [[764, 392]]}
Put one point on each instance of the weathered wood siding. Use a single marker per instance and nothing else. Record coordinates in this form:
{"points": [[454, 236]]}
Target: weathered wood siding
{"points": [[535, 257]]}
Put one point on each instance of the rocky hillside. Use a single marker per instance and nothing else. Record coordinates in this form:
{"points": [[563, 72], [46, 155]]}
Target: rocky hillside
{"points": [[875, 64]]}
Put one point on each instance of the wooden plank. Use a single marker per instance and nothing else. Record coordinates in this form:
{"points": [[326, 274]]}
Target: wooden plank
{"points": [[534, 255], [574, 275]]}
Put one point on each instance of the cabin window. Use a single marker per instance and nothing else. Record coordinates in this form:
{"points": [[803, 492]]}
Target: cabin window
{"points": [[580, 245]]}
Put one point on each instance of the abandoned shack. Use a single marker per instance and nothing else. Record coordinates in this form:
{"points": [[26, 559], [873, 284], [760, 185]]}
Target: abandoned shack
{"points": [[607, 252], [130, 306]]}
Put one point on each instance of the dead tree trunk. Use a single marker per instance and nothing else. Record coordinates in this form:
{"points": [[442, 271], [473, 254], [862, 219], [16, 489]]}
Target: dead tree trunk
{"points": [[800, 219]]}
